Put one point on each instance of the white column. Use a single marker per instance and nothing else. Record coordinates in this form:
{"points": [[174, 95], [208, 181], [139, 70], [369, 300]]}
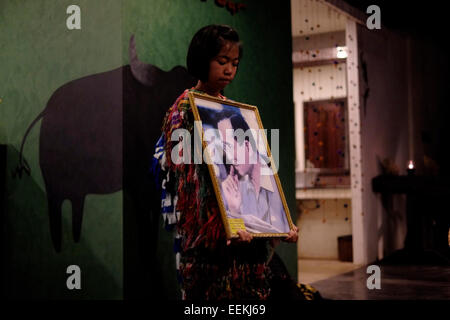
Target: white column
{"points": [[359, 239]]}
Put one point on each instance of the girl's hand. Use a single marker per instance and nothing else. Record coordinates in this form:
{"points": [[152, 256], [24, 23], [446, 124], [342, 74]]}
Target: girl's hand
{"points": [[292, 235], [244, 236]]}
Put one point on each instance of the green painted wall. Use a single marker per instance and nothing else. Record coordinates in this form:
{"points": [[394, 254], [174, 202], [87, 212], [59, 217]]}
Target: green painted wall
{"points": [[39, 54], [163, 31]]}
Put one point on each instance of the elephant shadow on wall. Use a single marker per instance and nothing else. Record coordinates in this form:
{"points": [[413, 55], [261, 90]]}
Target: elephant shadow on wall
{"points": [[97, 137]]}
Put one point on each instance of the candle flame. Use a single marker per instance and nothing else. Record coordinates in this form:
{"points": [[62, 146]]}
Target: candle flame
{"points": [[411, 164]]}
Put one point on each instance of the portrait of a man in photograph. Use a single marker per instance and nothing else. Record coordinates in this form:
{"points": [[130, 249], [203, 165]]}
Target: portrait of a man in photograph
{"points": [[246, 181]]}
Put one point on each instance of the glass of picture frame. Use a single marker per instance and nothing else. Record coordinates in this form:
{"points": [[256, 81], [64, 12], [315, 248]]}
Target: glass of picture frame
{"points": [[241, 166]]}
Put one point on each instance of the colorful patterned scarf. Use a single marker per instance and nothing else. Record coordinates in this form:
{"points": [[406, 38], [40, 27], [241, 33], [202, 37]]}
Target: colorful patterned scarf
{"points": [[207, 268]]}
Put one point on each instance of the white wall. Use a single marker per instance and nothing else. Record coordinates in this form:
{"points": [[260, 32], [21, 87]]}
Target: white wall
{"points": [[312, 17], [314, 83], [318, 237], [319, 228], [316, 25], [354, 110]]}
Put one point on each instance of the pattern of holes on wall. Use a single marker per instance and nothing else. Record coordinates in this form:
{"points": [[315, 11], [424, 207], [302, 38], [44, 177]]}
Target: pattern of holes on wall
{"points": [[320, 82], [312, 16]]}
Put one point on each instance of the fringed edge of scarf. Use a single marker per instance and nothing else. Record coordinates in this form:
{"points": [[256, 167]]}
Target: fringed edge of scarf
{"points": [[238, 281], [199, 219]]}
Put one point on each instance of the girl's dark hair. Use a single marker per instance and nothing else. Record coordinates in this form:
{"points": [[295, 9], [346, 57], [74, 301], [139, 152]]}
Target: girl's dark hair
{"points": [[205, 45]]}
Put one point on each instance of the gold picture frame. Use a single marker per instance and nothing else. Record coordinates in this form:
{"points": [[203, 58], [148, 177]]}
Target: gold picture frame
{"points": [[265, 216]]}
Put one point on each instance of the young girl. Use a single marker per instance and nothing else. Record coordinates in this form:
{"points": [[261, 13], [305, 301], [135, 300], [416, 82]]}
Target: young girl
{"points": [[209, 267]]}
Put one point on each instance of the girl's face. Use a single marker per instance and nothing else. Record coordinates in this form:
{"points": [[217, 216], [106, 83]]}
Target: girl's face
{"points": [[223, 67]]}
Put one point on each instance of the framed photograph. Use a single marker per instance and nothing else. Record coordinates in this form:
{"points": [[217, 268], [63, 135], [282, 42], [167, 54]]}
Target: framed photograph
{"points": [[244, 176]]}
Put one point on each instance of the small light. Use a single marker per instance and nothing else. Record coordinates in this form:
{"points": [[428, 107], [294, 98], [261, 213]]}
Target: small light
{"points": [[341, 52], [410, 168]]}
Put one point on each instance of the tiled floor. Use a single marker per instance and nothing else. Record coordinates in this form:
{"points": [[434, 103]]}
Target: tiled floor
{"points": [[312, 270], [403, 276], [398, 282]]}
